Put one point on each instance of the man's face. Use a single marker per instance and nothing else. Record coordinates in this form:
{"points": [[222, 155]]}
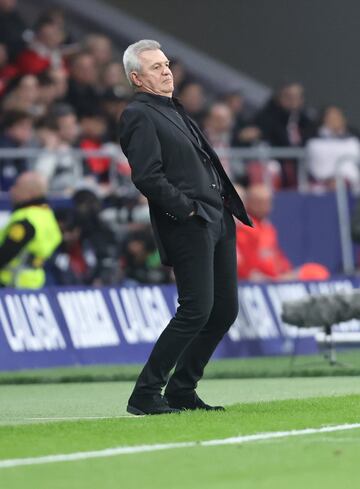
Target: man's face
{"points": [[220, 119], [292, 97], [192, 97], [51, 36], [102, 51], [68, 128], [259, 201], [22, 131], [84, 70], [155, 75], [334, 119]]}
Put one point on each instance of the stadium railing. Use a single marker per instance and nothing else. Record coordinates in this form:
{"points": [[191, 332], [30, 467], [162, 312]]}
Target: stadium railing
{"points": [[237, 159]]}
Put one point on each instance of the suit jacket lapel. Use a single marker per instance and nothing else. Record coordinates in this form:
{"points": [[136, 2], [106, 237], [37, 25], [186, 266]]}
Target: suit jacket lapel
{"points": [[178, 124], [209, 151]]}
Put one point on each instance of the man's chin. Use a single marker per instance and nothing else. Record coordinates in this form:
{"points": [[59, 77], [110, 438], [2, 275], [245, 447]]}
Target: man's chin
{"points": [[168, 91], [169, 86]]}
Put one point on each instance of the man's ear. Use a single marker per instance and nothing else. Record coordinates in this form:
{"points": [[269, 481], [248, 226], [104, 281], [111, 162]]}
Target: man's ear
{"points": [[135, 79]]}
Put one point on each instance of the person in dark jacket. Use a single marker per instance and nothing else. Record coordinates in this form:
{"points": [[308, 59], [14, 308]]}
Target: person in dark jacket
{"points": [[192, 203], [284, 121], [17, 130], [82, 91]]}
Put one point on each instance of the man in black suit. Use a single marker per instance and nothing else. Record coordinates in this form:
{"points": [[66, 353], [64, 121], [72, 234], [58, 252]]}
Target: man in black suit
{"points": [[191, 202]]}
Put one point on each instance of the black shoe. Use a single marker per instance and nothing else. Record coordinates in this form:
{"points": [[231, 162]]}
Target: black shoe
{"points": [[192, 402], [153, 404]]}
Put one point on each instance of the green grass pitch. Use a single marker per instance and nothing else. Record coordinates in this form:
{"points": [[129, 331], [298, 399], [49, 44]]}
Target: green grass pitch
{"points": [[243, 368], [50, 419]]}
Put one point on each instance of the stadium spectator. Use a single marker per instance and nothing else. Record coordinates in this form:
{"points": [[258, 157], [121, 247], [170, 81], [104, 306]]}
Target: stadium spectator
{"points": [[125, 214], [217, 125], [47, 137], [67, 124], [70, 263], [112, 77], [82, 91], [57, 15], [31, 235], [141, 260], [78, 261], [23, 94], [245, 132], [100, 47], [112, 103], [259, 255], [17, 132], [234, 99], [192, 97], [334, 142], [93, 135], [12, 28], [43, 51], [284, 121], [97, 236], [60, 132]]}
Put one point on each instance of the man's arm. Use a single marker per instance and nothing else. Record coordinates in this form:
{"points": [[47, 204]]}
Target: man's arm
{"points": [[141, 145], [18, 235]]}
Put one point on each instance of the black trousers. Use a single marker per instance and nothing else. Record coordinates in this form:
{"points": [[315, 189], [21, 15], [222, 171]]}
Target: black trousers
{"points": [[204, 257]]}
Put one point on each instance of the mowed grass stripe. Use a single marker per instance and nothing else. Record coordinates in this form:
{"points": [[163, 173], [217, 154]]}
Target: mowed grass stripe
{"points": [[49, 438], [116, 451], [110, 399], [239, 368]]}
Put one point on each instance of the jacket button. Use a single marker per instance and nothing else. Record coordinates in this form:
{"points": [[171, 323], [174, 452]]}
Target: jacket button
{"points": [[213, 185]]}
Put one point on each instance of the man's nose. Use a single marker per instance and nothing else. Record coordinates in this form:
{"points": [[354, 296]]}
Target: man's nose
{"points": [[166, 70]]}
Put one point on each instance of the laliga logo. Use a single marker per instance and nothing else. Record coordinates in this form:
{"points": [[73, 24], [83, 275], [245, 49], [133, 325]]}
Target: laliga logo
{"points": [[29, 323]]}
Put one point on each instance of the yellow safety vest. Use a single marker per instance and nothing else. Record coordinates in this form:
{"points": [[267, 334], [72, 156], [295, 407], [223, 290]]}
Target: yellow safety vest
{"points": [[26, 270]]}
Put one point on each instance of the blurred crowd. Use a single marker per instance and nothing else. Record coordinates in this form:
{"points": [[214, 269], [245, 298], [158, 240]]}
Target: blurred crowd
{"points": [[64, 95]]}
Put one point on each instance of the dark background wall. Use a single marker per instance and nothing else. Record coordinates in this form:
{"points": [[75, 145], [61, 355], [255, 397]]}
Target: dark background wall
{"points": [[314, 41]]}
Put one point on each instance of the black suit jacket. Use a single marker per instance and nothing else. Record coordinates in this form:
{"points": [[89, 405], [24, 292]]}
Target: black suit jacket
{"points": [[170, 167]]}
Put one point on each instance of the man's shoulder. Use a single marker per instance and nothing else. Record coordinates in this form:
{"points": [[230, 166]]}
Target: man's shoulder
{"points": [[134, 109]]}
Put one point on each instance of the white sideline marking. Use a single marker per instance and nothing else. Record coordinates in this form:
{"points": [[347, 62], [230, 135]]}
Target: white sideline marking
{"points": [[112, 452], [22, 421]]}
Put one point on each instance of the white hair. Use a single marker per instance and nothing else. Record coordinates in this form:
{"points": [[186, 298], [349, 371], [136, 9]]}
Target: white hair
{"points": [[131, 56]]}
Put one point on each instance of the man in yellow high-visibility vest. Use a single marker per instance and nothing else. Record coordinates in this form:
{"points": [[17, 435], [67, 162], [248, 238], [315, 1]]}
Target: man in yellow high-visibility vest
{"points": [[31, 235]]}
